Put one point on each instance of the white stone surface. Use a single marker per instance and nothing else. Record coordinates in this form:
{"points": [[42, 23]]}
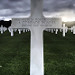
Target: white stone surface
{"points": [[12, 34], [56, 32], [37, 62], [26, 30], [23, 30], [9, 29], [19, 30], [36, 23], [73, 29], [2, 29], [64, 30]]}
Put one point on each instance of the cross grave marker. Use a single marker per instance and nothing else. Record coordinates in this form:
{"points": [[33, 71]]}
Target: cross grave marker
{"points": [[36, 23]]}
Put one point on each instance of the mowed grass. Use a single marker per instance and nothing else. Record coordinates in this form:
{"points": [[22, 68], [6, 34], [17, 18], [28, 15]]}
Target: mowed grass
{"points": [[59, 54], [15, 54]]}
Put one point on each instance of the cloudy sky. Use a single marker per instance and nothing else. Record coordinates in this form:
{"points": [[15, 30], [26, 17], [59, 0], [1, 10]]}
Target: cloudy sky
{"points": [[21, 8]]}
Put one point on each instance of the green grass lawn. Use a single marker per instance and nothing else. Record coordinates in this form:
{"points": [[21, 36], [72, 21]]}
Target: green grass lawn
{"points": [[59, 54]]}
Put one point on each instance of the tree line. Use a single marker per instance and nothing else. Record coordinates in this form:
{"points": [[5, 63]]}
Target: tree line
{"points": [[5, 23]]}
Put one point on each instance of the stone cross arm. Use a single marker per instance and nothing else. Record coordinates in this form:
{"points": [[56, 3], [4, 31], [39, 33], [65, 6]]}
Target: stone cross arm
{"points": [[36, 22]]}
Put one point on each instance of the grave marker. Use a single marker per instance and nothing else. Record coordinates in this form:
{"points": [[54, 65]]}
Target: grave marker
{"points": [[63, 30], [36, 23], [73, 29], [2, 29], [56, 31]]}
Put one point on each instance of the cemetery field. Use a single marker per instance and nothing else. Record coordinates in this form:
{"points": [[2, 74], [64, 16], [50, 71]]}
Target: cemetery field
{"points": [[59, 54]]}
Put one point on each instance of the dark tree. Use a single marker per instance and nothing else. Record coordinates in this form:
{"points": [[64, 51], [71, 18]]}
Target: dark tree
{"points": [[5, 23]]}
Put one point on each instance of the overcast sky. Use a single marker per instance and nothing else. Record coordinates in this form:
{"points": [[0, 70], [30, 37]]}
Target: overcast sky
{"points": [[10, 8]]}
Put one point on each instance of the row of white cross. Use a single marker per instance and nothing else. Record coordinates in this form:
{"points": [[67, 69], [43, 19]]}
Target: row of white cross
{"points": [[19, 30], [2, 29], [64, 29]]}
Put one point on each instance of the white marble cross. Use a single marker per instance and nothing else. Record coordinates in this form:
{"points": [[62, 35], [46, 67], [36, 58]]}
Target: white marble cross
{"points": [[2, 29], [65, 29], [73, 29], [36, 23], [56, 31]]}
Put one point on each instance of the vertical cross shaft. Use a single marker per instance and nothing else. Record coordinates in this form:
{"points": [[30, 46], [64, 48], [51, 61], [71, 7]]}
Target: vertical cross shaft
{"points": [[36, 57], [36, 8], [36, 62]]}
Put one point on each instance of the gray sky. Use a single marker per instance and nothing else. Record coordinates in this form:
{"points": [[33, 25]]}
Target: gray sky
{"points": [[10, 8]]}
